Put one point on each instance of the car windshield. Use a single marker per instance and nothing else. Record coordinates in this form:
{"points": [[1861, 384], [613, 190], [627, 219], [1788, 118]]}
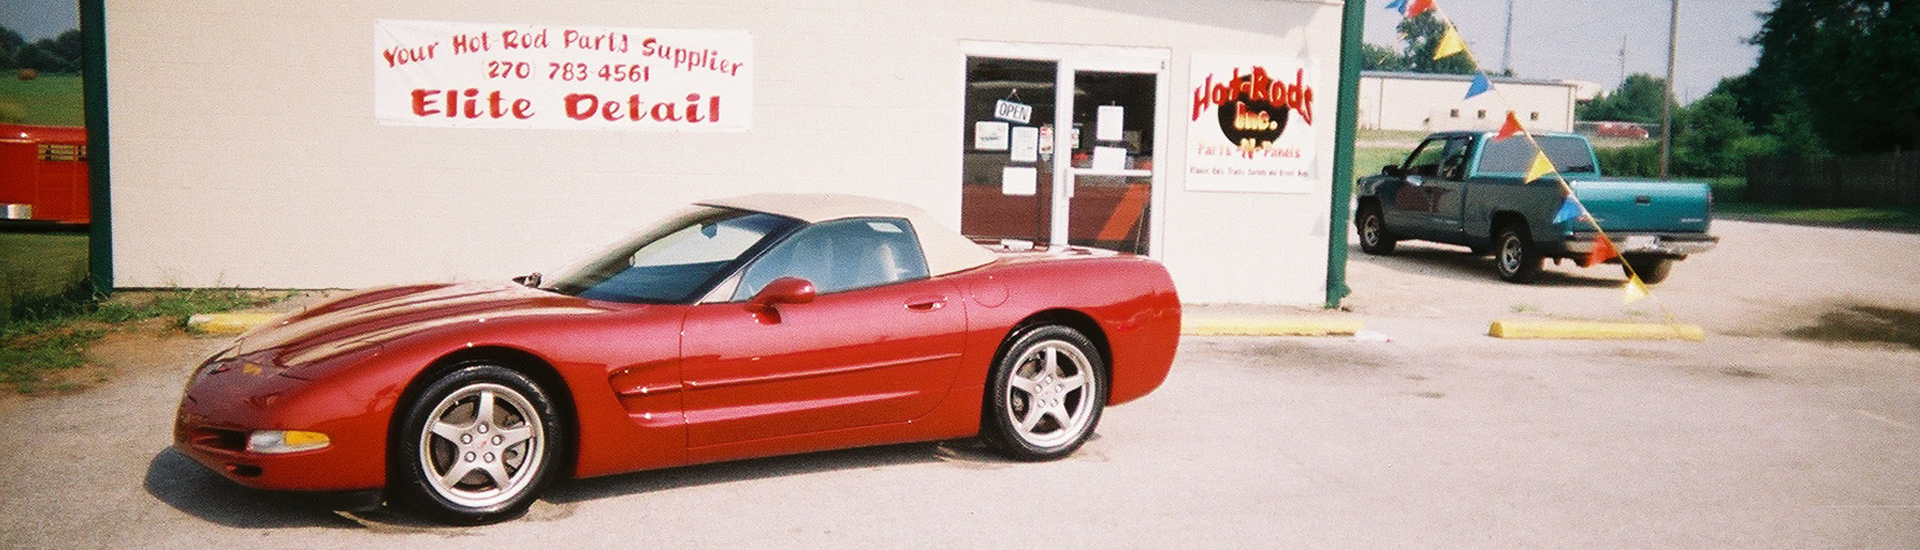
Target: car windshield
{"points": [[1512, 156], [675, 261]]}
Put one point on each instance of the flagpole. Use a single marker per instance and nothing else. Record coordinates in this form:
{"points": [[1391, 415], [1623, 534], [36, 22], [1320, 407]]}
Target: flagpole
{"points": [[1666, 102]]}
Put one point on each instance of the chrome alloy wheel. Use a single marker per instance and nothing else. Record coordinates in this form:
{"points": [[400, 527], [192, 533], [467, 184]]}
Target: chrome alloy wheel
{"points": [[1370, 231], [1050, 394], [476, 448], [1511, 254]]}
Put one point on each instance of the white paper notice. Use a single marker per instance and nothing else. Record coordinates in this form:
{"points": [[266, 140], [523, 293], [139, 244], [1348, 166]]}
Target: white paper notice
{"points": [[1026, 144], [990, 136], [1112, 120], [1019, 180], [1109, 159]]}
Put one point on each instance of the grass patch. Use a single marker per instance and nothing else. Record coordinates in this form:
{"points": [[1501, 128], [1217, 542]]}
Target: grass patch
{"points": [[35, 349], [1888, 218], [51, 100], [40, 271]]}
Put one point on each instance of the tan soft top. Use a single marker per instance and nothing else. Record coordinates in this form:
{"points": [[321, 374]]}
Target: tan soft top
{"points": [[947, 251]]}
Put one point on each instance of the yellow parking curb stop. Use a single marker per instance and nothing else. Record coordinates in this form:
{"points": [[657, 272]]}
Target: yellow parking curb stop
{"points": [[1269, 327], [1592, 330], [229, 323]]}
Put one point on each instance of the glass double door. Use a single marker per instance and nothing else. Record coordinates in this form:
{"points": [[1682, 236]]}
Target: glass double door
{"points": [[1061, 151]]}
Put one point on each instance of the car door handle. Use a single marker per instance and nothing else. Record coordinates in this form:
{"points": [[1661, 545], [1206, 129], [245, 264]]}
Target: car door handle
{"points": [[927, 304]]}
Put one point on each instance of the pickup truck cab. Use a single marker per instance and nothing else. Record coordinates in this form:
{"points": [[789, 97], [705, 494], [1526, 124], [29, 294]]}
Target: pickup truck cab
{"points": [[1469, 189]]}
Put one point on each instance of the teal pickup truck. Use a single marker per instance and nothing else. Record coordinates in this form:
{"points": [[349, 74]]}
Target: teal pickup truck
{"points": [[1467, 188]]}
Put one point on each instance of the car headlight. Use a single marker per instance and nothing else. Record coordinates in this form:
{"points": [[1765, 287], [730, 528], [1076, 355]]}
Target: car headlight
{"points": [[286, 441]]}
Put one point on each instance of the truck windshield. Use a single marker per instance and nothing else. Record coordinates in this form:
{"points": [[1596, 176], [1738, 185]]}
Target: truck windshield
{"points": [[1510, 157]]}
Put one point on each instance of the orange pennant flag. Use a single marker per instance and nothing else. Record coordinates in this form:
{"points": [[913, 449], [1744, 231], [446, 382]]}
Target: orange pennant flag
{"points": [[1603, 250], [1540, 168], [1634, 291], [1510, 128], [1450, 44], [1419, 7]]}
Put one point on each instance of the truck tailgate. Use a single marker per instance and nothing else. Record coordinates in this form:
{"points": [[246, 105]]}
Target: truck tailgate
{"points": [[1651, 206]]}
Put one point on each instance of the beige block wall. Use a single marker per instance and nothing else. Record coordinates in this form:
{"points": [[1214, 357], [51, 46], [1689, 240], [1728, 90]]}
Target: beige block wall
{"points": [[1388, 103], [245, 153]]}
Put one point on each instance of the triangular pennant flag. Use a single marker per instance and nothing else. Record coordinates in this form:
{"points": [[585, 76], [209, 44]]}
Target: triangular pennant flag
{"points": [[1603, 250], [1540, 168], [1634, 291], [1419, 7], [1479, 86], [1569, 209], [1449, 44], [1399, 6], [1510, 128]]}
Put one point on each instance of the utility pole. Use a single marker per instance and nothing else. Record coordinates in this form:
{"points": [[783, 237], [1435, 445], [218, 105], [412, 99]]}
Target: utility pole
{"points": [[1666, 103], [1506, 47]]}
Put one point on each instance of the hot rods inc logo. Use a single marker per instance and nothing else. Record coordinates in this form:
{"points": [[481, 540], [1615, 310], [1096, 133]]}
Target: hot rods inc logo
{"points": [[1253, 107]]}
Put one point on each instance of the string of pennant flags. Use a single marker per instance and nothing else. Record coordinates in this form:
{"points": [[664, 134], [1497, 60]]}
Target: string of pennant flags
{"points": [[1450, 44]]}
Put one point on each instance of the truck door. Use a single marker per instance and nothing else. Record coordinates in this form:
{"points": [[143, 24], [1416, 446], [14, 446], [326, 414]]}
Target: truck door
{"points": [[1446, 191]]}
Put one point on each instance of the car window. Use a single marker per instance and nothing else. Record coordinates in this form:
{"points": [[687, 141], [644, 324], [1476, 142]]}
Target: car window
{"points": [[674, 261], [841, 255], [1511, 157], [1425, 161], [1453, 161]]}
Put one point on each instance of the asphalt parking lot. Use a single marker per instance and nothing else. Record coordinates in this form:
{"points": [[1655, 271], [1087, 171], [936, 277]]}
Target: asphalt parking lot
{"points": [[1796, 424]]}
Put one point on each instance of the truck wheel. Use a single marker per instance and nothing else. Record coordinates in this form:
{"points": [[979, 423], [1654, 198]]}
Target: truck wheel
{"points": [[1517, 259], [1652, 269], [1374, 237]]}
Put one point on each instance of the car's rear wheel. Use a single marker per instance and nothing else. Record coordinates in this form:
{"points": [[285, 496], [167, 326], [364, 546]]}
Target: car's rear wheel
{"points": [[1046, 395], [1652, 269], [476, 445], [1374, 237], [1516, 258]]}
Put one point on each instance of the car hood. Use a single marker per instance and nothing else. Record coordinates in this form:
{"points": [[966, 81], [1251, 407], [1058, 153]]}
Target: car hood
{"points": [[379, 315]]}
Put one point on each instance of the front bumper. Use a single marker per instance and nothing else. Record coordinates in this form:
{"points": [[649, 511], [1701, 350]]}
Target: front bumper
{"points": [[220, 408], [1645, 244]]}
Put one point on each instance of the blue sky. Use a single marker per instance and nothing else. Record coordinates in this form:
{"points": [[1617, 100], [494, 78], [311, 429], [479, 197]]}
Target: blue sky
{"points": [[1554, 39], [1582, 39], [37, 19]]}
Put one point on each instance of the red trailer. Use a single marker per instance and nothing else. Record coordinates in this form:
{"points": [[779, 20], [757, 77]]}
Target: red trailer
{"points": [[43, 174]]}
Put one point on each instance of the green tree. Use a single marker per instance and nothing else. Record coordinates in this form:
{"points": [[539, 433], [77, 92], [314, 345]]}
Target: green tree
{"points": [[1846, 72], [1422, 36], [1374, 57], [10, 43], [1636, 100]]}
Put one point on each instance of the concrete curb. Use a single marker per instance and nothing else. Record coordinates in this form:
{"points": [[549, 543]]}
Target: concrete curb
{"points": [[1591, 330], [229, 323], [1268, 327]]}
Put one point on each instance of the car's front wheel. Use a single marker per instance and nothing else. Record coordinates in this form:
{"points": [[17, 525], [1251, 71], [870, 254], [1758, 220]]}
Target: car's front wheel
{"points": [[476, 446], [1374, 237], [1046, 395]]}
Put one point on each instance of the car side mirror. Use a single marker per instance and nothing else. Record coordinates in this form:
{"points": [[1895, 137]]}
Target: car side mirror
{"points": [[784, 290], [1392, 170]]}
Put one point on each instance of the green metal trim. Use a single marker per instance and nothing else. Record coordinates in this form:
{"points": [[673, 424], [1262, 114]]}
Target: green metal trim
{"points": [[93, 33], [1346, 118]]}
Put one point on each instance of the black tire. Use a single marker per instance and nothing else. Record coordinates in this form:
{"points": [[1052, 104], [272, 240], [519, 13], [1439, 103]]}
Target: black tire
{"points": [[1652, 269], [1515, 256], [1056, 403], [1372, 227], [442, 432]]}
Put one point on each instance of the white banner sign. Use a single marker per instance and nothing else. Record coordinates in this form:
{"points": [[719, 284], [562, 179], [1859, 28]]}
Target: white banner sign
{"points": [[1251, 125], [480, 75]]}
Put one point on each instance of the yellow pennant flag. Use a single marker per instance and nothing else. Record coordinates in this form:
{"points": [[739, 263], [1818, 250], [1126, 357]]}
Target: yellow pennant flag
{"points": [[1540, 168], [1449, 44], [1634, 291]]}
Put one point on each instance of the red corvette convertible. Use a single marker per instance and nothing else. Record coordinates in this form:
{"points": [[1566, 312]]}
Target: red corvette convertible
{"points": [[754, 326]]}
